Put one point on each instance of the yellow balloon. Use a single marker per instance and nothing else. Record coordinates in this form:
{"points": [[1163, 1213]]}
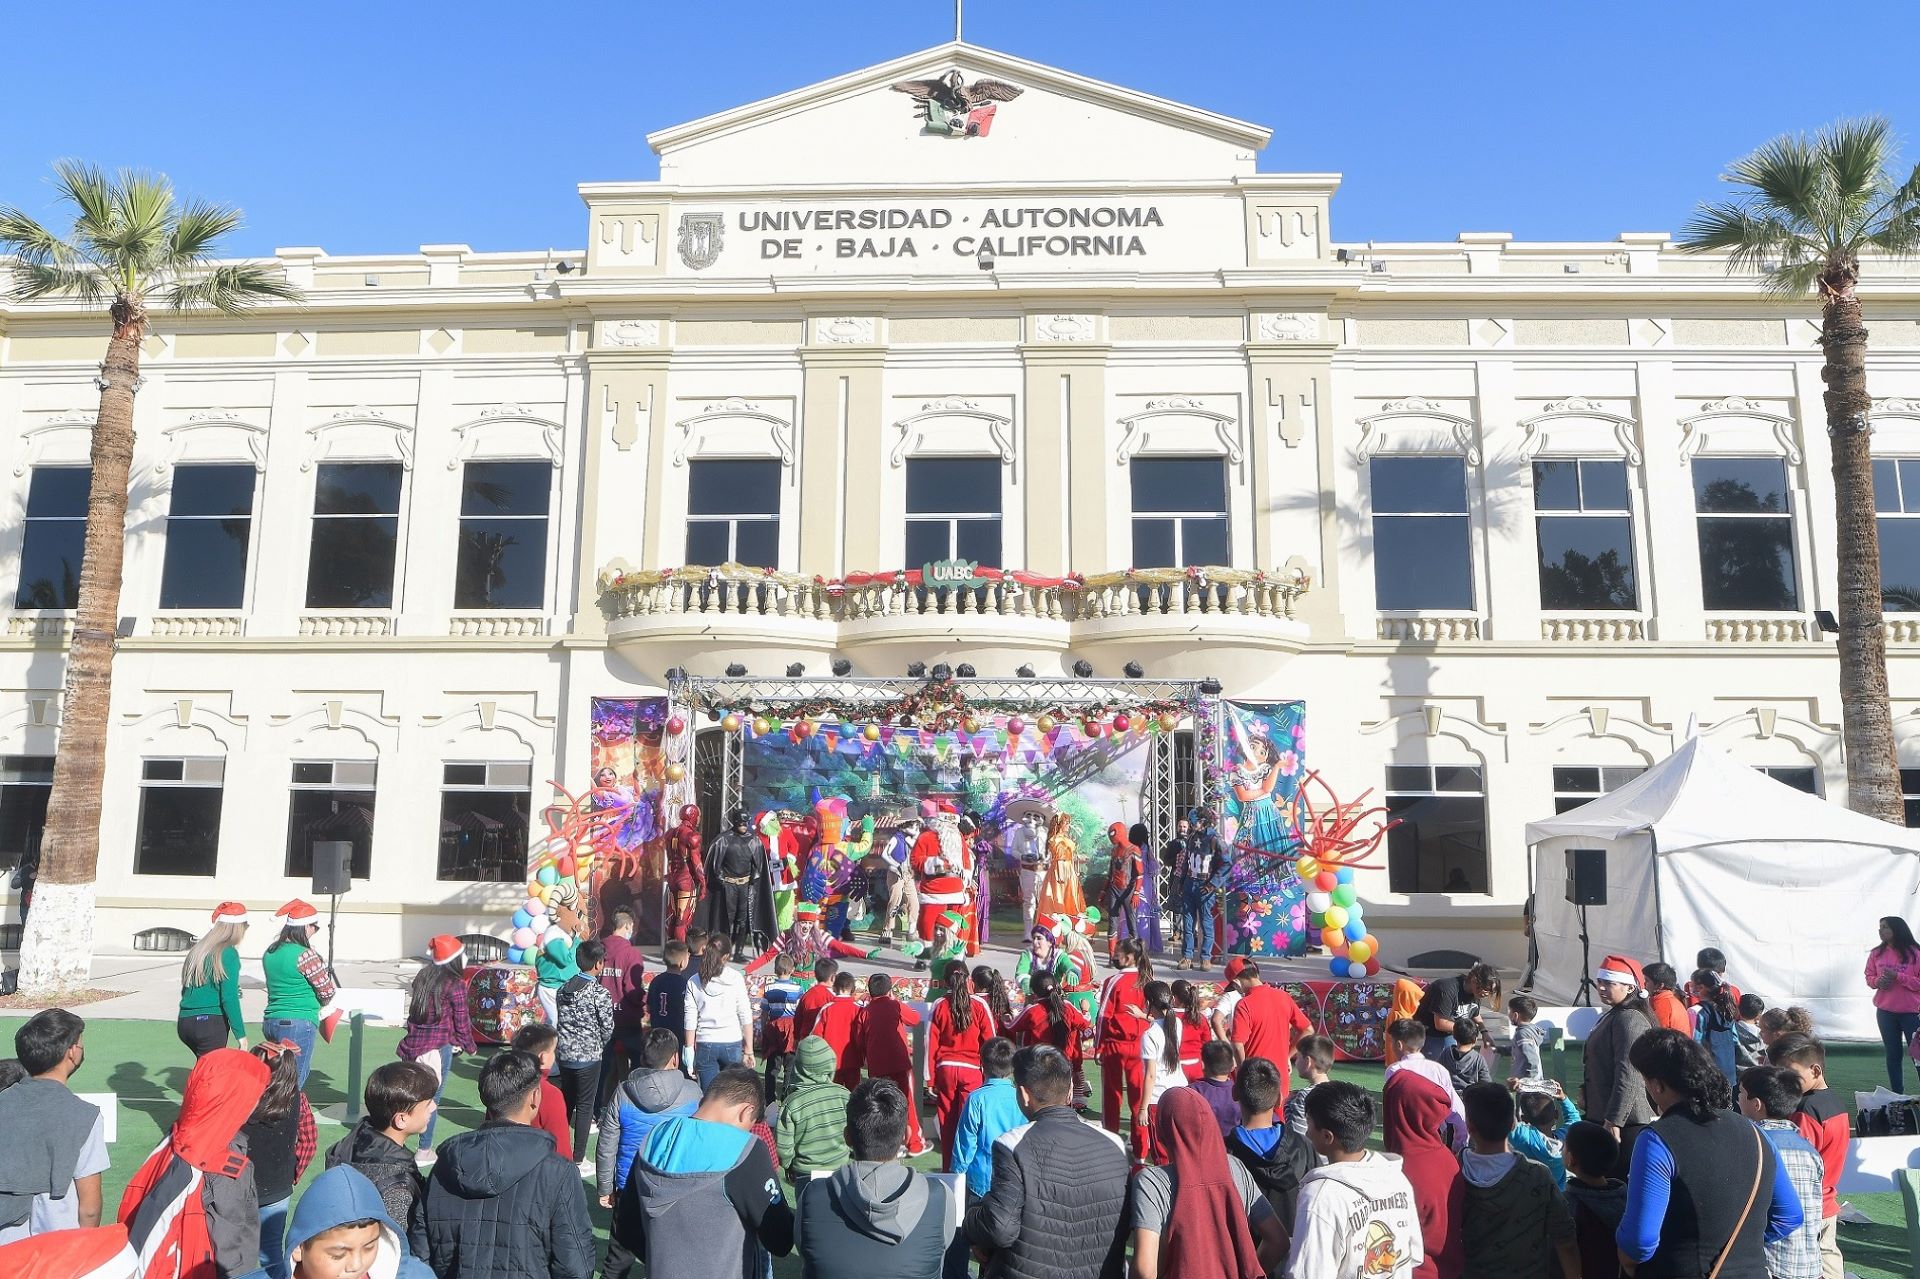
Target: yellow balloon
{"points": [[1336, 917], [1359, 952], [1306, 867]]}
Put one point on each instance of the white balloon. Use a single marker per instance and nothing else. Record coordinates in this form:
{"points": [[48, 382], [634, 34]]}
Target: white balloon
{"points": [[1317, 902]]}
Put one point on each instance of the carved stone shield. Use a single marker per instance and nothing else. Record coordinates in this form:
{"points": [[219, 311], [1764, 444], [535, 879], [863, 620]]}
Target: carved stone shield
{"points": [[700, 239]]}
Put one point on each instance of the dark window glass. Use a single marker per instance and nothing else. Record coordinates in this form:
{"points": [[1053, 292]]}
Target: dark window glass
{"points": [[1910, 792], [1419, 485], [56, 537], [1746, 534], [1410, 777], [928, 541], [1455, 777], [1603, 485], [310, 774], [1179, 485], [953, 510], [1422, 544], [1576, 786], [25, 783], [1577, 780], [179, 826], [1886, 486], [1586, 562], [1740, 485], [464, 775], [1896, 496], [1440, 845], [1556, 486], [977, 540], [1801, 779], [733, 513], [503, 535], [319, 815], [356, 535], [209, 526], [506, 488], [1153, 544], [483, 835]]}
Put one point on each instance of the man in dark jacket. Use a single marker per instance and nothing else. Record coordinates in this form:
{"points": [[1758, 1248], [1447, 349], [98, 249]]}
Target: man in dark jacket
{"points": [[874, 1218], [1057, 1204], [501, 1204]]}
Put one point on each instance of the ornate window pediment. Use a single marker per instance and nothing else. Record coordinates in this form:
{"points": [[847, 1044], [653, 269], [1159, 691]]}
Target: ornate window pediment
{"points": [[1577, 426], [505, 422], [1895, 426], [213, 435], [64, 439], [734, 427], [360, 434], [953, 425], [1179, 424], [1737, 425], [1418, 425]]}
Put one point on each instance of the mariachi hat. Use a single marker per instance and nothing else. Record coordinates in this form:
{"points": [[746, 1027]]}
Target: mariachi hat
{"points": [[445, 949], [807, 910], [297, 914], [953, 921], [230, 913], [1621, 969]]}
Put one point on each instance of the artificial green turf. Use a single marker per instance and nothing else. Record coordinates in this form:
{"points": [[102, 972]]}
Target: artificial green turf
{"points": [[145, 1064]]}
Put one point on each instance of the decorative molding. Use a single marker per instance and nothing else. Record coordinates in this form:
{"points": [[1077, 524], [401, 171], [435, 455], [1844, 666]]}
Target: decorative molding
{"points": [[33, 438], [1575, 408], [1288, 326], [629, 333], [999, 427], [1412, 410], [733, 408], [1063, 328], [466, 444], [1693, 429], [846, 330], [1896, 406], [320, 443], [1226, 428], [252, 433]]}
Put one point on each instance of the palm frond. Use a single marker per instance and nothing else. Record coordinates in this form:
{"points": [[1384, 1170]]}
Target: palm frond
{"points": [[197, 226], [87, 188], [84, 282], [1793, 279], [142, 216], [1856, 154], [1894, 228], [1784, 173], [230, 288], [24, 237]]}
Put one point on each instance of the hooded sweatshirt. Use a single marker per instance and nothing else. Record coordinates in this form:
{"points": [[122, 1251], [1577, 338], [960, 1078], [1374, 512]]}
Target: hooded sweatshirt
{"points": [[813, 1120], [1356, 1219], [703, 1203], [1279, 1159], [502, 1205], [1414, 1114], [1597, 1211], [876, 1221], [191, 1211], [341, 1195], [646, 1100], [390, 1167]]}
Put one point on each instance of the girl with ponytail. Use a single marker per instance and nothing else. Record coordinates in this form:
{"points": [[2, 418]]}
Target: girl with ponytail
{"points": [[1119, 1022], [1160, 1059], [957, 1032], [1194, 1031], [1050, 1019], [992, 989]]}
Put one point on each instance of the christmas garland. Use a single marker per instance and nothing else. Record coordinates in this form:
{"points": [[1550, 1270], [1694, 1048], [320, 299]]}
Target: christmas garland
{"points": [[910, 578], [942, 705]]}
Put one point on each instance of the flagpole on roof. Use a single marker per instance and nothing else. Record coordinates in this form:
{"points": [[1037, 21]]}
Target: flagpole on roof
{"points": [[956, 20]]}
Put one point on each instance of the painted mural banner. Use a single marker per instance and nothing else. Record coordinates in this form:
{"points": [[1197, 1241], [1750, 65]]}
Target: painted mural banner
{"points": [[1263, 752]]}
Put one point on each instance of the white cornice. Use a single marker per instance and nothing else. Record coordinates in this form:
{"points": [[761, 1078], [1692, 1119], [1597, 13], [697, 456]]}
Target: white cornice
{"points": [[974, 58]]}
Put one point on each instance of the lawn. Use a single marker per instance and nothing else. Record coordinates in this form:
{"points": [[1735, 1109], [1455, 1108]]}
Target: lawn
{"points": [[146, 1065]]}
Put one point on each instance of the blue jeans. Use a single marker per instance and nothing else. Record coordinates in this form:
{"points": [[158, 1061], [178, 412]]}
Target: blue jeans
{"points": [[273, 1238], [1896, 1032], [710, 1059], [446, 1068], [302, 1032], [1196, 920]]}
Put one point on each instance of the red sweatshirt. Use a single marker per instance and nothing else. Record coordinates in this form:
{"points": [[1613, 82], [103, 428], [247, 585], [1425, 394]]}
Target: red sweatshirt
{"points": [[1034, 1026], [1823, 1122], [812, 1000], [834, 1023], [946, 1042], [1118, 1031], [553, 1119], [880, 1036]]}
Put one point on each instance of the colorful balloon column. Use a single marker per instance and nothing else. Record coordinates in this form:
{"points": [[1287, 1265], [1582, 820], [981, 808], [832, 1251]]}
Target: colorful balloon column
{"points": [[1332, 848]]}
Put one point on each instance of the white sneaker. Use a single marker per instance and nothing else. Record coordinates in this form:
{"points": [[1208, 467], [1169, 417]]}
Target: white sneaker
{"points": [[588, 1169], [425, 1158]]}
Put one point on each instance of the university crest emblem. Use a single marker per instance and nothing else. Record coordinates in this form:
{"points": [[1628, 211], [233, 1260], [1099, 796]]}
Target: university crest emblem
{"points": [[952, 108], [700, 239]]}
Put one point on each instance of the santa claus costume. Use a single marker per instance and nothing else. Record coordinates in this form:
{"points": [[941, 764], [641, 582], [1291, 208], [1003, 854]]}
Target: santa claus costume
{"points": [[939, 861]]}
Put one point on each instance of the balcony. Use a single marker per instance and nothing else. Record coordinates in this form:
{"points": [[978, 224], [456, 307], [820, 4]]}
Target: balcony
{"points": [[703, 619]]}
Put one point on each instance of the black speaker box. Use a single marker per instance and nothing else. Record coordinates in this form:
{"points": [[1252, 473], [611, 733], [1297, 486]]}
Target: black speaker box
{"points": [[332, 867], [1587, 876]]}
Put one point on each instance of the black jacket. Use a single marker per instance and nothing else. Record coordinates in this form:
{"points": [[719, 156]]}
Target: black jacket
{"points": [[1057, 1205], [390, 1167], [1278, 1172], [502, 1205]]}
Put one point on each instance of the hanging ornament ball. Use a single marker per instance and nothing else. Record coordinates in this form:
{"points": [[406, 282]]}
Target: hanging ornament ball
{"points": [[1122, 722], [731, 723], [676, 772], [1326, 881], [676, 726], [804, 728], [970, 724], [762, 726], [1016, 726], [1046, 723], [1307, 867], [848, 730], [773, 722], [1168, 721], [871, 732], [1091, 727], [1343, 894], [548, 876]]}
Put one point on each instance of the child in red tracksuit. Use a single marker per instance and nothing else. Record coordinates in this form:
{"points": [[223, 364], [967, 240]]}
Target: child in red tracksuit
{"points": [[953, 1051], [834, 1023], [880, 1039], [1119, 1021]]}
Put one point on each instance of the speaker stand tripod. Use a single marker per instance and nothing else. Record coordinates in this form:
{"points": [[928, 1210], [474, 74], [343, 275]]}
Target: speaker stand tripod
{"points": [[1584, 996], [333, 914]]}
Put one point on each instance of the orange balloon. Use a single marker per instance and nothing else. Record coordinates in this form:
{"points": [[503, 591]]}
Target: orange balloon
{"points": [[1334, 939]]}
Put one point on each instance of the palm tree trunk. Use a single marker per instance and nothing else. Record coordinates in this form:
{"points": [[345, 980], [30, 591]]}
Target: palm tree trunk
{"points": [[56, 950], [1873, 773]]}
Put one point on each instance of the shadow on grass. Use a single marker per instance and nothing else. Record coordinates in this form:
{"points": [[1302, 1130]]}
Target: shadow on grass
{"points": [[158, 1100], [1880, 1246]]}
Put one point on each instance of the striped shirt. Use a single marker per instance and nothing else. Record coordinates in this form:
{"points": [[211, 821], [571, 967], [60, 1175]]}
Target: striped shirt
{"points": [[1798, 1255]]}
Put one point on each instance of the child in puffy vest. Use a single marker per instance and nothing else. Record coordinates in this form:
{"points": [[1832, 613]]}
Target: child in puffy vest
{"points": [[655, 1092]]}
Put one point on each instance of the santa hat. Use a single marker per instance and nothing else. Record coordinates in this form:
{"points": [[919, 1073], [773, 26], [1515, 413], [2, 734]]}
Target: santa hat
{"points": [[445, 949], [1621, 969], [953, 921], [296, 913], [807, 910], [230, 913]]}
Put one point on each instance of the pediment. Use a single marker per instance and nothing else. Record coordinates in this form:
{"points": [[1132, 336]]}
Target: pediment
{"points": [[989, 119]]}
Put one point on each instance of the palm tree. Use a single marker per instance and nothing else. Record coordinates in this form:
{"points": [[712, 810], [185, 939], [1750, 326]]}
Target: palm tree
{"points": [[1810, 208], [132, 244]]}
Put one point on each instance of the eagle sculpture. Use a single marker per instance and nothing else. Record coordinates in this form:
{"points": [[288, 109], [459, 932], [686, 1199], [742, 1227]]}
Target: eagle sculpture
{"points": [[953, 95]]}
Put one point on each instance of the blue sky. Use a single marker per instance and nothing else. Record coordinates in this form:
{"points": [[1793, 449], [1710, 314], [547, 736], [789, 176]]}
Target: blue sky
{"points": [[377, 127]]}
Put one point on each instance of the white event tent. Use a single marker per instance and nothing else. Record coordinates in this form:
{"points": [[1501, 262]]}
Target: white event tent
{"points": [[1703, 851]]}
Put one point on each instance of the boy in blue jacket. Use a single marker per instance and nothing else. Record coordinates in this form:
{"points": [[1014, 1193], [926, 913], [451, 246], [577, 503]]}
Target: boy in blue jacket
{"points": [[341, 1230]]}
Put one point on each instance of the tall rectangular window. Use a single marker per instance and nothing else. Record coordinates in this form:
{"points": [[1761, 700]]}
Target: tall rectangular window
{"points": [[25, 783], [1746, 534], [1896, 499], [484, 812], [733, 512], [179, 832], [1422, 539], [1179, 512], [1585, 530], [1440, 845], [1910, 795], [56, 535], [953, 510], [209, 528], [356, 535], [1575, 786], [332, 800], [503, 535]]}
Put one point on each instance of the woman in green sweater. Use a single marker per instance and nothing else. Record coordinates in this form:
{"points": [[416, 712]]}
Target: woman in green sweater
{"points": [[210, 984], [298, 984]]}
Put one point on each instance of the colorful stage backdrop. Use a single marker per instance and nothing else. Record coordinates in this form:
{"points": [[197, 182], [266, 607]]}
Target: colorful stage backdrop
{"points": [[625, 800], [1263, 759]]}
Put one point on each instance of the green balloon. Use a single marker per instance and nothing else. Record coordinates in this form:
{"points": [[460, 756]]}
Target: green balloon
{"points": [[1316, 920], [1343, 895]]}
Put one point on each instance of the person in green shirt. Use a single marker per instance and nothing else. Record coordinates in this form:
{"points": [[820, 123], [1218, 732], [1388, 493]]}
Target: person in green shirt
{"points": [[295, 975], [210, 984]]}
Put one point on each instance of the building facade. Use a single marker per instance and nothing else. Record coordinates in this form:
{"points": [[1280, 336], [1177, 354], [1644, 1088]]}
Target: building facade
{"points": [[1509, 517]]}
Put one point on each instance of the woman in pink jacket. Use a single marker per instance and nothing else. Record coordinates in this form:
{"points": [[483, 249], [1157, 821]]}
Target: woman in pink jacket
{"points": [[1893, 970]]}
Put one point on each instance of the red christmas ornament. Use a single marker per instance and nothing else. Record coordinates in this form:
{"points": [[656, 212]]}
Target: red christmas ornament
{"points": [[1121, 723], [676, 726]]}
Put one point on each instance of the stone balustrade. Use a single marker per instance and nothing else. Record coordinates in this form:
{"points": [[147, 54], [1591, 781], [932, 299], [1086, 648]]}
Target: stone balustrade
{"points": [[1592, 630], [1766, 629]]}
